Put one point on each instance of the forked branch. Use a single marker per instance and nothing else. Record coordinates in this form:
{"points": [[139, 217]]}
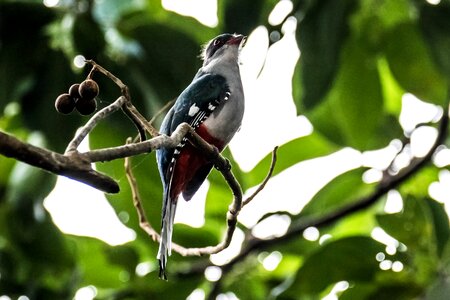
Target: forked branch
{"points": [[78, 166]]}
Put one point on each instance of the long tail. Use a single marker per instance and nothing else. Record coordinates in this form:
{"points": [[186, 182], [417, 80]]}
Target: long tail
{"points": [[165, 244]]}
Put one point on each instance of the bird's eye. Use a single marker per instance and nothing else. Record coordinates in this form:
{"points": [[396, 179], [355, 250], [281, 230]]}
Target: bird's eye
{"points": [[216, 42]]}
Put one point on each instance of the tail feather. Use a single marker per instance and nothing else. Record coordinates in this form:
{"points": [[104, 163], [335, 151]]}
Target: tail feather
{"points": [[165, 244]]}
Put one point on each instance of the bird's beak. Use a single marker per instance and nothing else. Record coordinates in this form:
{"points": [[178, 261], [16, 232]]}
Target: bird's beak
{"points": [[237, 39]]}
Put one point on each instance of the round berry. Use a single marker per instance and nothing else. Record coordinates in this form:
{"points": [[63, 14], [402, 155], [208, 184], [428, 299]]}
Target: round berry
{"points": [[64, 104], [86, 106], [88, 89], [73, 91]]}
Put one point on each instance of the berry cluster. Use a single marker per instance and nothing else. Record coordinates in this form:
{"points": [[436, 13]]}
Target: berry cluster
{"points": [[81, 96]]}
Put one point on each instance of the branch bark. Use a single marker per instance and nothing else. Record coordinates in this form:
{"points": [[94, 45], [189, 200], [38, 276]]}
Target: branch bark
{"points": [[72, 165]]}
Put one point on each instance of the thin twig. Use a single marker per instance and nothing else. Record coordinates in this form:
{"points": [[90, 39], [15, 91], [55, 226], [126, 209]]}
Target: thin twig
{"points": [[264, 182], [93, 121], [143, 221], [129, 109], [97, 67], [161, 111], [138, 118], [152, 120]]}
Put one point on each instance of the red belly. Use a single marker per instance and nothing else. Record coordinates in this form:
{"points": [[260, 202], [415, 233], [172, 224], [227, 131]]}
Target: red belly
{"points": [[189, 161]]}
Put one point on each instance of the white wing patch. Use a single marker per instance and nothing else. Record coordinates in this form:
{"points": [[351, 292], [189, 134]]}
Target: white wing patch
{"points": [[193, 110]]}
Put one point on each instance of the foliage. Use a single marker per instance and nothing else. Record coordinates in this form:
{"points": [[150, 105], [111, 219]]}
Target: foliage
{"points": [[357, 60]]}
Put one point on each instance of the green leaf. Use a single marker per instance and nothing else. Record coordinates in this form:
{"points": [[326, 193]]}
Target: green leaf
{"points": [[88, 37], [351, 259], [17, 61], [441, 225], [375, 17], [92, 261], [359, 223], [10, 122], [123, 256], [400, 291], [155, 13], [418, 184], [439, 290], [411, 64], [360, 291], [169, 59], [321, 35], [434, 21], [353, 110], [243, 16], [208, 235], [250, 286], [392, 92], [413, 226], [343, 189], [295, 151]]}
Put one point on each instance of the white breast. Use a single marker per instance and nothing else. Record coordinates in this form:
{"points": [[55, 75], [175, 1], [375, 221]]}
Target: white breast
{"points": [[227, 118]]}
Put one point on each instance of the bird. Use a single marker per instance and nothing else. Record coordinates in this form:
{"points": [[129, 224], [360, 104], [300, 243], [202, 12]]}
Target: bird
{"points": [[213, 105]]}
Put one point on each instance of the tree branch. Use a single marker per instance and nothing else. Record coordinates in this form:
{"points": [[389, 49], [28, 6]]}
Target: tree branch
{"points": [[268, 176], [72, 165], [297, 228], [76, 165]]}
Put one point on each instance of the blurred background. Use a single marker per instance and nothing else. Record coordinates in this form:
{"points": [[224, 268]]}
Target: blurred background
{"points": [[352, 91]]}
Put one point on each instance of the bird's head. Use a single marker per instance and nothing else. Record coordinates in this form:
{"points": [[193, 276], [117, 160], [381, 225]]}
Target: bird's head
{"points": [[224, 46]]}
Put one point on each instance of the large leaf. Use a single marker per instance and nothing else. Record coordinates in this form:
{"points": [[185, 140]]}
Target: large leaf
{"points": [[351, 259], [243, 16], [392, 92], [250, 286], [413, 226], [320, 36], [155, 13], [353, 112], [88, 37], [16, 76], [441, 225], [295, 151], [411, 64], [435, 23], [339, 192], [168, 60], [92, 261]]}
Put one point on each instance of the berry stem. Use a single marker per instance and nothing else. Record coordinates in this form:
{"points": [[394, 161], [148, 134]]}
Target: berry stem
{"points": [[97, 67]]}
